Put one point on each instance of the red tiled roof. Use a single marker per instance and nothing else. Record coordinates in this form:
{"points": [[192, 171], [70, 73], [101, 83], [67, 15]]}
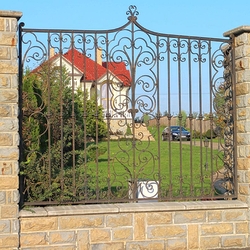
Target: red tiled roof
{"points": [[119, 70], [92, 70]]}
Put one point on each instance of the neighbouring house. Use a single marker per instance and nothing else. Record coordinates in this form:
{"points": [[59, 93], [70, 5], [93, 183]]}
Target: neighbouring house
{"points": [[109, 81]]}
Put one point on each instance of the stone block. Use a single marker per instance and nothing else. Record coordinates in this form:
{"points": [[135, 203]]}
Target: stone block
{"points": [[6, 139], [62, 237], [242, 101], [241, 127], [9, 96], [216, 229], [122, 234], [33, 240], [159, 232], [214, 216], [244, 189], [2, 197], [146, 245], [9, 241], [14, 81], [159, 218], [119, 220], [5, 110], [13, 25], [8, 125], [210, 242], [69, 222], [15, 196], [2, 25], [5, 226], [139, 226], [8, 38], [8, 67], [109, 246], [9, 211], [175, 244], [11, 197], [83, 239], [5, 53], [242, 64], [193, 237], [100, 235], [15, 226], [38, 224], [233, 241], [190, 216], [6, 168], [8, 182], [235, 215], [241, 228], [9, 154], [5, 81]]}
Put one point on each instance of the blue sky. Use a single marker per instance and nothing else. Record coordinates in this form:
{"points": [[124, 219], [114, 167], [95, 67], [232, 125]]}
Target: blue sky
{"points": [[184, 17], [205, 18]]}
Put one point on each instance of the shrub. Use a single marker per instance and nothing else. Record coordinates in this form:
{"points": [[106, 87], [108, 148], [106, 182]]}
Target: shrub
{"points": [[210, 134]]}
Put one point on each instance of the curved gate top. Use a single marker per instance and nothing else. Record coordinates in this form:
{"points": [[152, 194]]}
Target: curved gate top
{"points": [[124, 115]]}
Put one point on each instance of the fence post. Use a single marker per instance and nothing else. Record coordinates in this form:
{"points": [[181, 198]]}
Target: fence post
{"points": [[241, 39], [9, 137]]}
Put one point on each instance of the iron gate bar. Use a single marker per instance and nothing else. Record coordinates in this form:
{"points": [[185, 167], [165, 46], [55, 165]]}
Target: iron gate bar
{"points": [[153, 60]]}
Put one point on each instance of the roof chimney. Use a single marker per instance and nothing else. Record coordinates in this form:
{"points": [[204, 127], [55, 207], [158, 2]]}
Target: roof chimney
{"points": [[51, 52], [99, 56]]}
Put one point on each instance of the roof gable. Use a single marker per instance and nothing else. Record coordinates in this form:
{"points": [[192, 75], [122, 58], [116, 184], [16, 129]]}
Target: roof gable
{"points": [[92, 70]]}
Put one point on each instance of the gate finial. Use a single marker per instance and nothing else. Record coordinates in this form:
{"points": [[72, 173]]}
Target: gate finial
{"points": [[132, 11]]}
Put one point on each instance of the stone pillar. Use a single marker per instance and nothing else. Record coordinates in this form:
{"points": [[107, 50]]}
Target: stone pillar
{"points": [[241, 38], [9, 138]]}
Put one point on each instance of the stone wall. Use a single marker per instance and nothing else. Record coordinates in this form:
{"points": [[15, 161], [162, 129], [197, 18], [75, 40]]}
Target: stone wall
{"points": [[148, 226], [242, 91], [179, 225], [9, 138]]}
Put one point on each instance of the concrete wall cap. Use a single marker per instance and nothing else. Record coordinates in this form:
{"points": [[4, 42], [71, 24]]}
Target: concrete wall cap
{"points": [[237, 31], [10, 13]]}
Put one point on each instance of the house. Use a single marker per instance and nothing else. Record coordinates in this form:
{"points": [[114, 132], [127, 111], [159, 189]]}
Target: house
{"points": [[109, 81]]}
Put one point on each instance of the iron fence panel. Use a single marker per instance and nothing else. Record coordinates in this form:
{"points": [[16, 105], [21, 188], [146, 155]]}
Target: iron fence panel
{"points": [[94, 105]]}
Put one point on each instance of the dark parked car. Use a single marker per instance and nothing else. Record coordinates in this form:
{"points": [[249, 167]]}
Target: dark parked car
{"points": [[175, 133]]}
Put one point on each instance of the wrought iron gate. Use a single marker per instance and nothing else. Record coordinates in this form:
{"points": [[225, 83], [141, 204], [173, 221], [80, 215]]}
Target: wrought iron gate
{"points": [[95, 107]]}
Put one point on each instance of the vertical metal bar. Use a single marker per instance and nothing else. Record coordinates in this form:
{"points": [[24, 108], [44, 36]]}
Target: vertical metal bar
{"points": [[180, 115], [233, 76], [190, 115], [73, 115], [108, 115], [211, 115], [85, 97], [61, 113], [200, 116], [20, 107], [49, 113], [96, 116], [169, 117], [158, 115], [133, 70]]}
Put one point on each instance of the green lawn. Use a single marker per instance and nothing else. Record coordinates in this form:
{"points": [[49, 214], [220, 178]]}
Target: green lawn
{"points": [[179, 167]]}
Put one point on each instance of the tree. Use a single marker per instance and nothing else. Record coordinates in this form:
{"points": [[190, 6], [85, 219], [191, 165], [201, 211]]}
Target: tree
{"points": [[182, 118], [95, 125], [56, 122]]}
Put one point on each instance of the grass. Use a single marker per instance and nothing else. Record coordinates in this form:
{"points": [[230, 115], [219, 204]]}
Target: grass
{"points": [[179, 167]]}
